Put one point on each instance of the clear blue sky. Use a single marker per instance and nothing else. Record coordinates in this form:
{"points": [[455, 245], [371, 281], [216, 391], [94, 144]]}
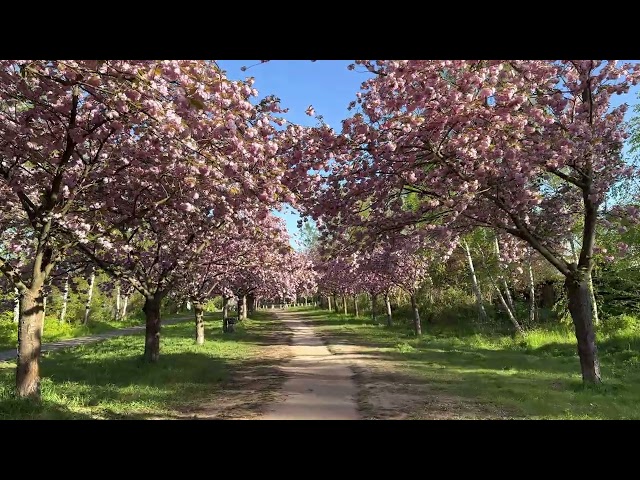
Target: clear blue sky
{"points": [[328, 86]]}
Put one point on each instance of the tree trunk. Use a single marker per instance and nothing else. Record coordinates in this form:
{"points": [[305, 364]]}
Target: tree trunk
{"points": [[225, 307], [151, 311], [198, 310], [29, 344], [344, 304], [124, 307], [116, 315], [239, 307], [374, 302], [532, 297], [507, 309], [581, 313], [387, 301], [594, 305], [329, 302], [65, 300], [244, 307], [250, 303], [335, 302], [502, 278], [474, 284], [355, 304], [507, 293], [417, 326], [44, 315], [16, 306], [87, 307]]}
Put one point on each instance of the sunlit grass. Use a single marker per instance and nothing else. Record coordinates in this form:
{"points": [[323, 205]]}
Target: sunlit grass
{"points": [[109, 379], [536, 375]]}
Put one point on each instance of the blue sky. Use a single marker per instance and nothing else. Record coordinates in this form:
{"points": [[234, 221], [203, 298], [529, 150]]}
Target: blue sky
{"points": [[329, 87]]}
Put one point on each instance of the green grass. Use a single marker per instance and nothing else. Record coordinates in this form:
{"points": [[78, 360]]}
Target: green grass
{"points": [[531, 376], [54, 330], [109, 380]]}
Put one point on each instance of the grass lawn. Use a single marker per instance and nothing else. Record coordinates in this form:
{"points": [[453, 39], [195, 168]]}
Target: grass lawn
{"points": [[535, 376], [229, 376]]}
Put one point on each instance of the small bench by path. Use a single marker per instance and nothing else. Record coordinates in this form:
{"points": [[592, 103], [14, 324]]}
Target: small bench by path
{"points": [[9, 355]]}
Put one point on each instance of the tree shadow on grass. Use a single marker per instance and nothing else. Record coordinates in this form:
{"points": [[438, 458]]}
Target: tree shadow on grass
{"points": [[14, 408], [430, 378]]}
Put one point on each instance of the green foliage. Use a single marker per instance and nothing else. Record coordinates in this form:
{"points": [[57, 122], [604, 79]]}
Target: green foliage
{"points": [[308, 235], [101, 316], [214, 305]]}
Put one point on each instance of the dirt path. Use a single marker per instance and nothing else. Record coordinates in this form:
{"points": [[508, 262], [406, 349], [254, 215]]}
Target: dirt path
{"points": [[8, 355], [319, 386]]}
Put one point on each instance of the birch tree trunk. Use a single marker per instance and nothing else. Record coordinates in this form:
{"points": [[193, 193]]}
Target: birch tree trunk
{"points": [[16, 306], [87, 307], [355, 304], [474, 284], [512, 318], [502, 278], [532, 297], [124, 307], [117, 313], [387, 302]]}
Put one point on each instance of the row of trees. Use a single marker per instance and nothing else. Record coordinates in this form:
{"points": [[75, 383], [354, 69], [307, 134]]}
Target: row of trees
{"points": [[161, 174], [527, 150]]}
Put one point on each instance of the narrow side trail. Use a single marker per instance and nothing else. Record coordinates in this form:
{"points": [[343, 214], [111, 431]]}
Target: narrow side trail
{"points": [[9, 355], [319, 386]]}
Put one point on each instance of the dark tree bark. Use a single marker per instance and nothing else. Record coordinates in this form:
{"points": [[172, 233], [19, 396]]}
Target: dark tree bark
{"points": [[151, 311], [582, 315], [29, 344], [374, 304], [198, 310], [250, 303], [417, 326]]}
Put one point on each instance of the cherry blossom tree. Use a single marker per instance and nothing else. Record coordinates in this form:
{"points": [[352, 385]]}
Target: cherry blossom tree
{"points": [[60, 124], [522, 147], [74, 133]]}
